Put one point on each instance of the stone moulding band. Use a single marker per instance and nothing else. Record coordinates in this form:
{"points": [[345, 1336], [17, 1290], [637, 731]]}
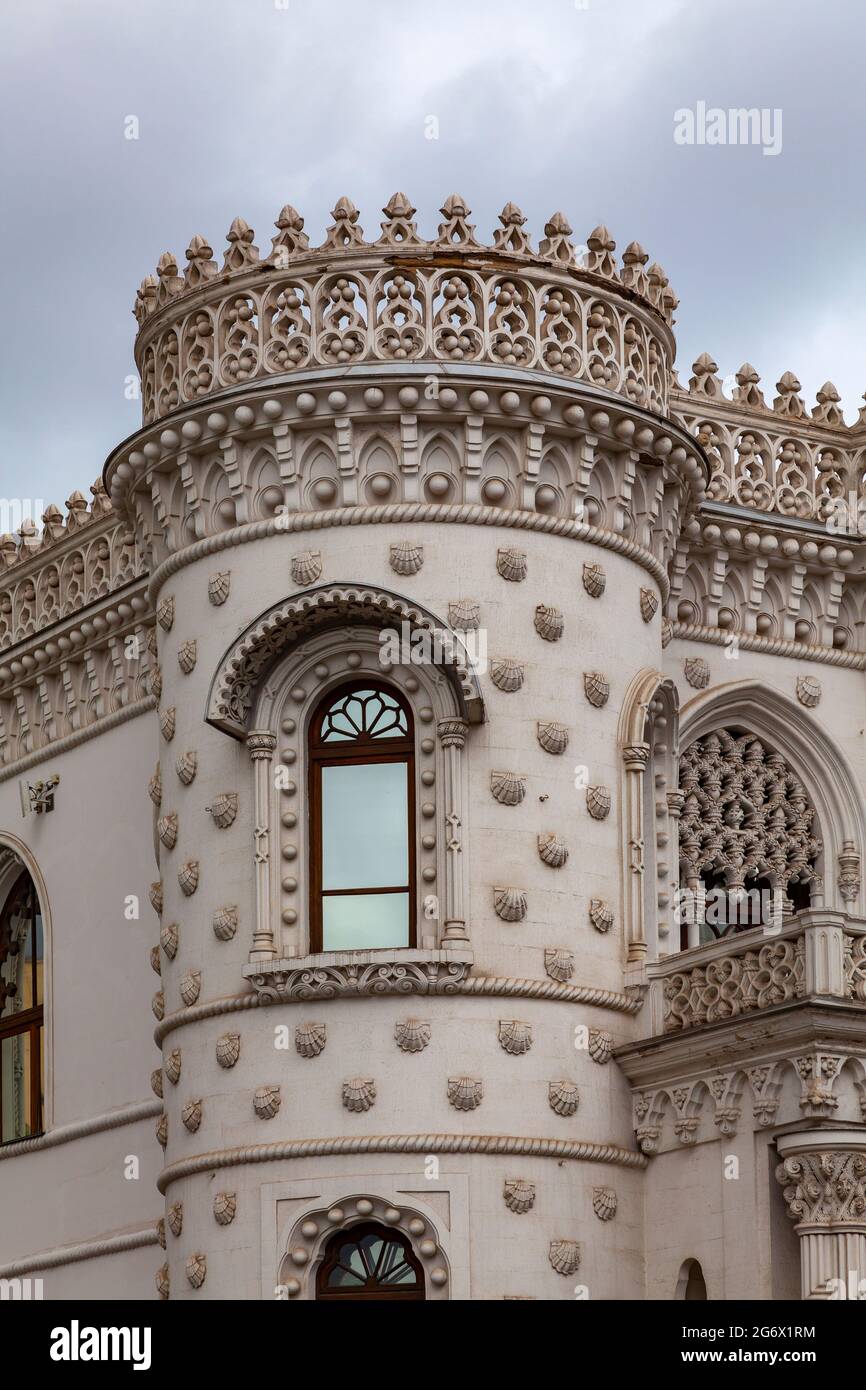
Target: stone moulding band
{"points": [[473, 514], [582, 1150], [63, 745], [97, 1124], [773, 646], [87, 1250], [492, 985]]}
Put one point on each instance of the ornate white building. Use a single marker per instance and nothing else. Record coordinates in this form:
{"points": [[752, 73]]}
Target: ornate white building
{"points": [[428, 686]]}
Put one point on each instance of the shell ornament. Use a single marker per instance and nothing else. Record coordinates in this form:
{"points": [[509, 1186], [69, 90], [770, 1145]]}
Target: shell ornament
{"points": [[187, 656], [156, 899], [266, 1101], [549, 622], [196, 1270], [172, 1065], [168, 938], [515, 1037], [552, 737], [225, 1205], [506, 674], [167, 723], [166, 829], [228, 1050], [406, 558], [511, 564], [225, 923], [559, 964], [552, 850], [165, 614], [190, 987], [218, 587], [808, 691], [697, 672], [600, 1045], [563, 1097], [154, 787], [564, 1255], [224, 809], [412, 1034], [310, 1039], [359, 1094], [509, 904], [464, 615], [175, 1218], [600, 915], [191, 1115], [188, 877], [594, 580], [604, 1203], [596, 688], [649, 604], [307, 567], [465, 1092], [598, 802], [509, 788], [519, 1194], [186, 767]]}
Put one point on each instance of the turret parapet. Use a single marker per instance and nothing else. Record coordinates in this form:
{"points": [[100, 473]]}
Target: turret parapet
{"points": [[571, 312]]}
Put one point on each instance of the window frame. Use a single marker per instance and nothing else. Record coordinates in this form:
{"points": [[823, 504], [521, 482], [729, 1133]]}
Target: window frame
{"points": [[27, 1021], [358, 752], [381, 1292]]}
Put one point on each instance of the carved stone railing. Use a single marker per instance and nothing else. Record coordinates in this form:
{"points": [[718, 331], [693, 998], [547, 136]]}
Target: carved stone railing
{"points": [[401, 298], [777, 458], [756, 970]]}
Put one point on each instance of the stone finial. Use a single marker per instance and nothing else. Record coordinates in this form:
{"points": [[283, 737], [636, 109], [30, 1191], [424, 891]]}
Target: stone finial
{"points": [[747, 391], [399, 227], [633, 275], [670, 303], [53, 524], [145, 298], [789, 401], [345, 232], [827, 410], [510, 236], [658, 282], [77, 514], [201, 266], [456, 230], [705, 381], [600, 258], [101, 504], [241, 252], [8, 550], [556, 245], [291, 238], [170, 283]]}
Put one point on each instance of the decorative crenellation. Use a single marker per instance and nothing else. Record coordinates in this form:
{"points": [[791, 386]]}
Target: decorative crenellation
{"points": [[401, 298]]}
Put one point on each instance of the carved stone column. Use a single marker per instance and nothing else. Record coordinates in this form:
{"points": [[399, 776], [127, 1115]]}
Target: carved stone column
{"points": [[635, 758], [823, 1177], [261, 744], [452, 736]]}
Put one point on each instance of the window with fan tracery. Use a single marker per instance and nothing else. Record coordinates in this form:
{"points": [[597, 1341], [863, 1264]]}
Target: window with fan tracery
{"points": [[369, 1262], [362, 820], [22, 1061]]}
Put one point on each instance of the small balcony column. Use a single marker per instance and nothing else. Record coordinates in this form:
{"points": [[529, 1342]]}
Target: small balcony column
{"points": [[823, 1179]]}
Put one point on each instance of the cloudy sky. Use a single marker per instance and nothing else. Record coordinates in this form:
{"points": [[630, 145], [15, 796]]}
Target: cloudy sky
{"points": [[244, 105]]}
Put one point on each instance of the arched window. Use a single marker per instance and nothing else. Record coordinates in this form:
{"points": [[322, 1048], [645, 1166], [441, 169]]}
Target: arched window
{"points": [[369, 1262], [691, 1285], [362, 820], [748, 842], [21, 1026]]}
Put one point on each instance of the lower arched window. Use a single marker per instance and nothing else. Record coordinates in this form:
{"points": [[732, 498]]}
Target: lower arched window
{"points": [[691, 1285], [362, 820], [21, 1021], [369, 1262]]}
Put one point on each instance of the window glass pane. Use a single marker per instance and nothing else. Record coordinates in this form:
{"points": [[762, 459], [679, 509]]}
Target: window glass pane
{"points": [[365, 841], [365, 921], [15, 1086]]}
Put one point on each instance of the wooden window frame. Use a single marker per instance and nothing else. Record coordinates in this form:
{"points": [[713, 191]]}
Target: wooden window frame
{"points": [[381, 1292], [27, 1021], [365, 750]]}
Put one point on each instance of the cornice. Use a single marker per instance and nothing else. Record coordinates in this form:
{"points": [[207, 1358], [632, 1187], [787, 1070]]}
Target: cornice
{"points": [[73, 740], [82, 1129], [87, 1250]]}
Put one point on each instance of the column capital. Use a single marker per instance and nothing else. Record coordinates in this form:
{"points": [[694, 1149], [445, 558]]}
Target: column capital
{"points": [[261, 743], [636, 756], [452, 732], [823, 1177]]}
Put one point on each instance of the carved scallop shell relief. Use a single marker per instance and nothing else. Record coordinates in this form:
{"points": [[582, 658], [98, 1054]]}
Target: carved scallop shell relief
{"points": [[464, 614], [563, 1097], [564, 1255], [163, 1283], [156, 898], [553, 850], [511, 564], [166, 829], [649, 603], [196, 1270], [519, 1194], [509, 904], [225, 923], [154, 960], [156, 680], [559, 964], [266, 1101], [594, 580], [172, 1065], [465, 1092], [218, 587], [598, 802], [190, 987], [187, 655], [228, 1049], [808, 691], [552, 737], [604, 1203], [412, 1034], [406, 558], [600, 915], [515, 1037], [175, 1218], [154, 787], [509, 788], [223, 809], [507, 674], [186, 767], [596, 688], [359, 1094], [188, 877], [168, 938], [600, 1045], [225, 1205], [165, 614], [549, 622], [697, 672], [191, 1114], [310, 1039], [167, 722], [156, 1082], [307, 567]]}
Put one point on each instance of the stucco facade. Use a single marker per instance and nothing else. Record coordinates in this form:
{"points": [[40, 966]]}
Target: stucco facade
{"points": [[626, 623]]}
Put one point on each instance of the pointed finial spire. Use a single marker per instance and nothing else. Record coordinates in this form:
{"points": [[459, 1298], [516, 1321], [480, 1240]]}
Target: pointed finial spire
{"points": [[556, 245], [511, 236], [399, 228], [456, 231], [344, 233]]}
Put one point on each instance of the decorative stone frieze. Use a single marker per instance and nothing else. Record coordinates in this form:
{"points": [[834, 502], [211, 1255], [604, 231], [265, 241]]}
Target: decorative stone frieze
{"points": [[285, 981]]}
